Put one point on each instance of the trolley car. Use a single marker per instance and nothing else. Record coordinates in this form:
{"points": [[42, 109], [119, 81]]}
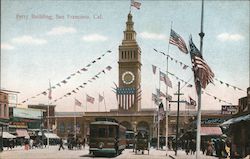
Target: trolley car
{"points": [[130, 139], [106, 137]]}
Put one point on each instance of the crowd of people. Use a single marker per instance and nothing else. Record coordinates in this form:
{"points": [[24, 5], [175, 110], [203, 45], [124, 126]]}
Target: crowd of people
{"points": [[219, 147]]}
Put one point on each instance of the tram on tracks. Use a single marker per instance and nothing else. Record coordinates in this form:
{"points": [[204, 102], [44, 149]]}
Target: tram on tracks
{"points": [[106, 137]]}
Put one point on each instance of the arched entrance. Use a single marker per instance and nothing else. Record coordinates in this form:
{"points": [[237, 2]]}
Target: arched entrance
{"points": [[127, 125], [143, 126]]}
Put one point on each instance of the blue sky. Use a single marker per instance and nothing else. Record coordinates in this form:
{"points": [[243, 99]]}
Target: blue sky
{"points": [[34, 51]]}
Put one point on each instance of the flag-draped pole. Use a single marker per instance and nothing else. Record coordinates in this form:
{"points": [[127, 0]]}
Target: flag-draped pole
{"points": [[198, 137], [167, 99], [49, 101], [158, 116]]}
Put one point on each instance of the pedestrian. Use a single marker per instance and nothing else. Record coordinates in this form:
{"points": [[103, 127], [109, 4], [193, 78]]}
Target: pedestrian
{"points": [[187, 146], [84, 142], [31, 142], [26, 144], [61, 144], [209, 148]]}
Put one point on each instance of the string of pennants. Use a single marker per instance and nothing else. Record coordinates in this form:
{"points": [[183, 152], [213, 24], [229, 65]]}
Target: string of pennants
{"points": [[74, 91], [184, 66], [65, 81], [203, 92]]}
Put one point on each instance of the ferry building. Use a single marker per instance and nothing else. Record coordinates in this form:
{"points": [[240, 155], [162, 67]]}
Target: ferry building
{"points": [[129, 111]]}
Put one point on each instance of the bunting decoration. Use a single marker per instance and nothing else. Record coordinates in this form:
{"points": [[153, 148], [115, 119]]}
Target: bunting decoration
{"points": [[126, 97], [78, 72], [185, 66], [81, 86]]}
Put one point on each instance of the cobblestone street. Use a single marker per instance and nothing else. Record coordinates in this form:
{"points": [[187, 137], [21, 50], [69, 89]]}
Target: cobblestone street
{"points": [[53, 153]]}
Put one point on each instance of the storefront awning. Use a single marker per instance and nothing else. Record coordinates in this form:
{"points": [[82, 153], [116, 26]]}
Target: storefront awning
{"points": [[236, 120], [51, 136], [205, 131], [7, 135], [22, 133]]}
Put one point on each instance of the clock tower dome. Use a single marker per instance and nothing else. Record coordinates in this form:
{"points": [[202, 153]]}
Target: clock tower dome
{"points": [[129, 90]]}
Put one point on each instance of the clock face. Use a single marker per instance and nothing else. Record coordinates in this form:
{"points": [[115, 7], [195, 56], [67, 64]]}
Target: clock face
{"points": [[128, 77]]}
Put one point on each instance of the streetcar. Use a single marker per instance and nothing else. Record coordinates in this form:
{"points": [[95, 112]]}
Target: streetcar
{"points": [[130, 139], [106, 138]]}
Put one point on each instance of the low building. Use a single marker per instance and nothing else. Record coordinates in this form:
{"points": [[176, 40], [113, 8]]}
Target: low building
{"points": [[237, 128]]}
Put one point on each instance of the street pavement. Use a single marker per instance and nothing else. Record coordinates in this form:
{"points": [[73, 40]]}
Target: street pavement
{"points": [[53, 153]]}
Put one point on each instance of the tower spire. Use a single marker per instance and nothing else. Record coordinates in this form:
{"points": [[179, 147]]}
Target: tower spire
{"points": [[129, 33]]}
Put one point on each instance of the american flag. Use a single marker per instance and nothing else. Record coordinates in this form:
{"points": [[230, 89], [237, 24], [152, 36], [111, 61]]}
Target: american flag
{"points": [[78, 103], [165, 79], [156, 99], [135, 4], [202, 72], [90, 99], [160, 93], [126, 97], [178, 41]]}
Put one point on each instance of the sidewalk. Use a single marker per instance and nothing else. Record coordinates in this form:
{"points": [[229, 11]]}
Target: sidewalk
{"points": [[181, 154]]}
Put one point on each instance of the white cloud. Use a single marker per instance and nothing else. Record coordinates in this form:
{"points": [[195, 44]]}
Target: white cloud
{"points": [[61, 30], [229, 37], [29, 40], [7, 46], [94, 37], [153, 36]]}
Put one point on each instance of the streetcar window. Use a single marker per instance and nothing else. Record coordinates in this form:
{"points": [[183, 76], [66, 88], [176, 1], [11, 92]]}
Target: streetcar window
{"points": [[93, 131], [111, 132], [102, 132]]}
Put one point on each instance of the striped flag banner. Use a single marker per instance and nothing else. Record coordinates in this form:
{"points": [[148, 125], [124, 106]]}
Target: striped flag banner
{"points": [[202, 72], [78, 103], [126, 97], [178, 41], [135, 4], [90, 99]]}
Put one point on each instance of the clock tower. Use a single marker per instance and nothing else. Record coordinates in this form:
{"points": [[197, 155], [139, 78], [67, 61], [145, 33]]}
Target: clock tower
{"points": [[129, 90]]}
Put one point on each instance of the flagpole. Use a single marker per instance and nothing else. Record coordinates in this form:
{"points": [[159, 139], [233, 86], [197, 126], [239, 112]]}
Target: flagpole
{"points": [[86, 103], [48, 113], [75, 118], [198, 137], [98, 104], [166, 99], [105, 105], [158, 118]]}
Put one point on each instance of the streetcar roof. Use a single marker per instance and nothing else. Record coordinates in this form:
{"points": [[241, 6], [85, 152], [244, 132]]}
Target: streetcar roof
{"points": [[104, 123]]}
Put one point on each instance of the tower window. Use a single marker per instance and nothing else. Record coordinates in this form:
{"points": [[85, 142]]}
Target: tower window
{"points": [[131, 54], [122, 54]]}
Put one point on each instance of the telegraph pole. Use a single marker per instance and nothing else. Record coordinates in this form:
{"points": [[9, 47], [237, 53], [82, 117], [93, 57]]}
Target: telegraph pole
{"points": [[177, 117]]}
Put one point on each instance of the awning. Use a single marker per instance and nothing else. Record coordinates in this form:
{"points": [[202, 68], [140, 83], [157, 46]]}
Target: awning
{"points": [[236, 120], [22, 133], [7, 135], [51, 136], [205, 131]]}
